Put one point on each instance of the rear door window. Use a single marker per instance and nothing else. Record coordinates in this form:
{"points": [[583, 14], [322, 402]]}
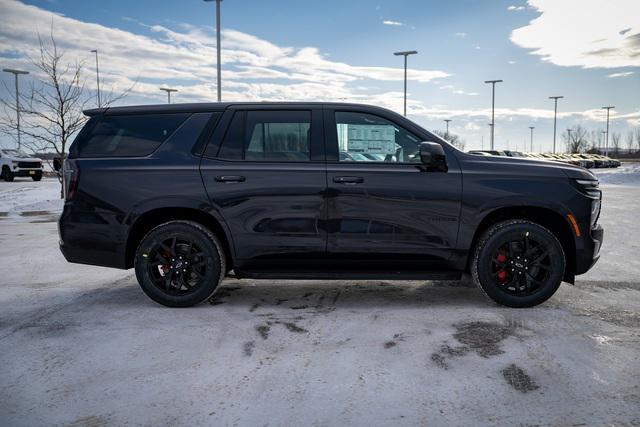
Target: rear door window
{"points": [[126, 136], [277, 136]]}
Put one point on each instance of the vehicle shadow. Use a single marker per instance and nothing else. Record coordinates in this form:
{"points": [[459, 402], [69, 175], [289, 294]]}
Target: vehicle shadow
{"points": [[316, 295]]}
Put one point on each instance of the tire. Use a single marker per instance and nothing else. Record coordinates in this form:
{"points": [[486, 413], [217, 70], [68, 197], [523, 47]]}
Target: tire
{"points": [[37, 177], [7, 175], [518, 263], [179, 264]]}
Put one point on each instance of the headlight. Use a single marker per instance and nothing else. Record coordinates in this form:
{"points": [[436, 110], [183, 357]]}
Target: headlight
{"points": [[589, 186], [595, 211]]}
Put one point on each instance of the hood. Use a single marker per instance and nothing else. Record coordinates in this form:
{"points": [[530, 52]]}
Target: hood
{"points": [[25, 159], [544, 167]]}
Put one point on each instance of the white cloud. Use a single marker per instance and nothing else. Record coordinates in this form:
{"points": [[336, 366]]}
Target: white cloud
{"points": [[393, 23], [624, 74], [512, 62], [585, 33], [185, 56], [512, 8], [461, 35]]}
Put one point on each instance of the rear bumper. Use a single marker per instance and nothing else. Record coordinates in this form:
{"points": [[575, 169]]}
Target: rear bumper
{"points": [[90, 238], [589, 255]]}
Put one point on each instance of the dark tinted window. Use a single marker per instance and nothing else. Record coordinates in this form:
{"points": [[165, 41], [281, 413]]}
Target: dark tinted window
{"points": [[282, 136], [126, 136], [365, 137]]}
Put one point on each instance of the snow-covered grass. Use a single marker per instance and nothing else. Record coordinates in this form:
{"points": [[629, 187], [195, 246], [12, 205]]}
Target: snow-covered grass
{"points": [[25, 195], [627, 174]]}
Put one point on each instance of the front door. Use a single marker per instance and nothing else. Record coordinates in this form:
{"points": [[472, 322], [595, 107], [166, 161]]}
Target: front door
{"points": [[383, 206], [267, 177]]}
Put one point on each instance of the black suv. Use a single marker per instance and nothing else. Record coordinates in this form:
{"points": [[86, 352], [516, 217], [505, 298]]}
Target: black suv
{"points": [[187, 194]]}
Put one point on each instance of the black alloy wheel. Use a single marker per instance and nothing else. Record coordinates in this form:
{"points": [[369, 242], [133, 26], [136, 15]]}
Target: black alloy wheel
{"points": [[518, 263], [179, 264]]}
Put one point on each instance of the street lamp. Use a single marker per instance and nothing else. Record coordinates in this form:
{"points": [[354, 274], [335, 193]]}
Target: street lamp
{"points": [[218, 47], [555, 113], [16, 73], [97, 75], [606, 145], [168, 90], [531, 143], [405, 54], [447, 134], [493, 106]]}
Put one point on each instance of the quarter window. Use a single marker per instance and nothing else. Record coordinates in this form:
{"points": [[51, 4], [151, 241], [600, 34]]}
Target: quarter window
{"points": [[366, 137], [125, 136], [281, 136]]}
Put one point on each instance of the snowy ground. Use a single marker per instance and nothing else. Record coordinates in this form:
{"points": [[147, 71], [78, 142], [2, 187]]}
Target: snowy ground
{"points": [[82, 345]]}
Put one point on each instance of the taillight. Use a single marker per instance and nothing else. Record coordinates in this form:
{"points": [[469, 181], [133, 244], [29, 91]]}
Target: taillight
{"points": [[70, 178]]}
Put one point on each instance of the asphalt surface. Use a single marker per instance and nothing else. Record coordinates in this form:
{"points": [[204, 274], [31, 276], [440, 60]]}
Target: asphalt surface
{"points": [[82, 345]]}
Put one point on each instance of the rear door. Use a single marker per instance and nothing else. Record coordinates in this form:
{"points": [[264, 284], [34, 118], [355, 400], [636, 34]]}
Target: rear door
{"points": [[266, 174], [382, 204]]}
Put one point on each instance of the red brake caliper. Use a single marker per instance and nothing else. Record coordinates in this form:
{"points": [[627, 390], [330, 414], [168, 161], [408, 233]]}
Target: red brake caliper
{"points": [[502, 273], [165, 267]]}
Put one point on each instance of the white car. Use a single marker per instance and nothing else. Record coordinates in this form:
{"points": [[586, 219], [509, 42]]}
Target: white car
{"points": [[16, 163]]}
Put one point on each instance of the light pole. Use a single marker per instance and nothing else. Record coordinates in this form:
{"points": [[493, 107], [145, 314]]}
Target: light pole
{"points": [[218, 47], [491, 135], [16, 73], [555, 113], [531, 128], [168, 90], [602, 134], [447, 134], [569, 139], [493, 106], [405, 54], [97, 75], [606, 144]]}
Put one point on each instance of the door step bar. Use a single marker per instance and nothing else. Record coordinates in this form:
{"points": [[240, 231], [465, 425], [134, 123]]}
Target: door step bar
{"points": [[347, 275]]}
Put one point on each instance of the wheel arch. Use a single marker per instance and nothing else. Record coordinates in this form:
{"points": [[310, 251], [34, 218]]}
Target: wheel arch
{"points": [[154, 217], [548, 218]]}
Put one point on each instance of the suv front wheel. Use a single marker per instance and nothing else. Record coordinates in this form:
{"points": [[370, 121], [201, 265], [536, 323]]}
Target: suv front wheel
{"points": [[518, 263], [179, 264]]}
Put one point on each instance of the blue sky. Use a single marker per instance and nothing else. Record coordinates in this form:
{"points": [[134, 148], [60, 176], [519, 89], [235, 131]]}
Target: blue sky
{"points": [[586, 50]]}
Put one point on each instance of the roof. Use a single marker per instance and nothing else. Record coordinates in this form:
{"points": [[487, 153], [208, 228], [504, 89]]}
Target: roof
{"points": [[206, 107]]}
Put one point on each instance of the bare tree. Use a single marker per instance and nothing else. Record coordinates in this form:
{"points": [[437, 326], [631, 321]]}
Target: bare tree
{"points": [[52, 108], [577, 141], [593, 141], [616, 139], [630, 142], [638, 138], [454, 139]]}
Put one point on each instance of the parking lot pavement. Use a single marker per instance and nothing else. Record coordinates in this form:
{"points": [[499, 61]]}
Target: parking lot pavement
{"points": [[83, 345]]}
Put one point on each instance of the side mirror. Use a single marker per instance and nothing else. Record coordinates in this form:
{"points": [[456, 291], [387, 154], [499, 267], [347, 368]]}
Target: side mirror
{"points": [[57, 163], [433, 157]]}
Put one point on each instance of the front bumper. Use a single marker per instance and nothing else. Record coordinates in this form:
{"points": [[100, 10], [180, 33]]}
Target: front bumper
{"points": [[26, 172], [590, 253]]}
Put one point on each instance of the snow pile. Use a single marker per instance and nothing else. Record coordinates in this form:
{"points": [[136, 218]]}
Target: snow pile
{"points": [[627, 174], [27, 196]]}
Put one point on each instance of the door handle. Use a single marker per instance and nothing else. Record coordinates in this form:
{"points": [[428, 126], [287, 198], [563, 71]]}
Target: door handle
{"points": [[348, 179], [230, 178]]}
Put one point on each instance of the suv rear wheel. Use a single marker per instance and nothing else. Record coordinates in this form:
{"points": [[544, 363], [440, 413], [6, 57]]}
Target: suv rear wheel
{"points": [[518, 263], [179, 264]]}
